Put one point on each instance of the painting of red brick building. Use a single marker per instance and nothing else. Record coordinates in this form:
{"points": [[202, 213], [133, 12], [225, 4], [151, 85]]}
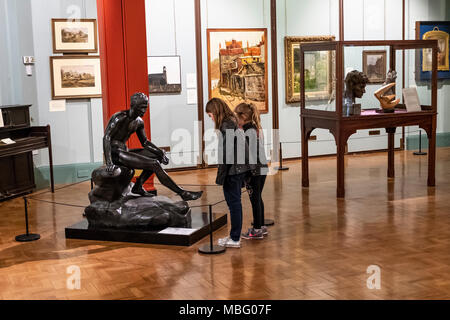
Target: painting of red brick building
{"points": [[237, 66]]}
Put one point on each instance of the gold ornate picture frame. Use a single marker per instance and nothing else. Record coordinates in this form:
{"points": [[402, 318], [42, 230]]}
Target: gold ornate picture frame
{"points": [[433, 30], [293, 74], [443, 50]]}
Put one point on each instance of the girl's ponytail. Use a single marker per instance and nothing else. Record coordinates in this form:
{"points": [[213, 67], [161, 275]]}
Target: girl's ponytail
{"points": [[256, 118], [249, 112]]}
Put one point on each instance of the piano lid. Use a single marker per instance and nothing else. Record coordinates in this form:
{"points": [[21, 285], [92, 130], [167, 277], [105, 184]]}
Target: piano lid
{"points": [[14, 106]]}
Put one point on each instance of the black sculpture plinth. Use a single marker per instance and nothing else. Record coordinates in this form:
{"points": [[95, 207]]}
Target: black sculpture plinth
{"points": [[200, 222]]}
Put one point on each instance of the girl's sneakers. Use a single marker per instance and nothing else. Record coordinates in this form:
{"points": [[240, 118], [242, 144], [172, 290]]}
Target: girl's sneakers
{"points": [[229, 243], [253, 234], [264, 230]]}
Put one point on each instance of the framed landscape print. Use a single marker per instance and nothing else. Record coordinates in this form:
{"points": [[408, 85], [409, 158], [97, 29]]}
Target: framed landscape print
{"points": [[374, 65], [433, 30], [164, 74], [75, 77], [77, 36], [237, 66], [318, 68]]}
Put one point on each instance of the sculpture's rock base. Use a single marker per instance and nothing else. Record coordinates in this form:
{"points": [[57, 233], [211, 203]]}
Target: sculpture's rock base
{"points": [[112, 205], [110, 186], [139, 213]]}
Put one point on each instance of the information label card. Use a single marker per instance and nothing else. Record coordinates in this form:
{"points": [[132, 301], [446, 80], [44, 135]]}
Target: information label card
{"points": [[57, 105], [411, 100], [7, 141], [191, 96], [191, 81], [179, 231], [2, 124]]}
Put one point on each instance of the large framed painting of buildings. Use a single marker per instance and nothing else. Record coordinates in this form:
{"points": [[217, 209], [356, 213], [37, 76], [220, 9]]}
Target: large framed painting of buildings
{"points": [[433, 30], [164, 74], [237, 66], [75, 77], [318, 68], [77, 36]]}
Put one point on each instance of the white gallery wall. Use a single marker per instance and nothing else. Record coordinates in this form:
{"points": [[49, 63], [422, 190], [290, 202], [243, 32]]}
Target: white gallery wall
{"points": [[16, 39], [217, 14], [364, 20], [171, 115], [77, 132], [171, 31]]}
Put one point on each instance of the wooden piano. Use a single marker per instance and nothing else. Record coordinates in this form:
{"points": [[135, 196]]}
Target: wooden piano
{"points": [[16, 159]]}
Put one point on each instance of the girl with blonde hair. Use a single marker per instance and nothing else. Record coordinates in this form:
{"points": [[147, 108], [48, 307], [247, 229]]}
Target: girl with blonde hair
{"points": [[249, 120]]}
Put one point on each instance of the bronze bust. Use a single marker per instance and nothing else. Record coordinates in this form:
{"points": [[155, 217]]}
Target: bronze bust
{"points": [[355, 85]]}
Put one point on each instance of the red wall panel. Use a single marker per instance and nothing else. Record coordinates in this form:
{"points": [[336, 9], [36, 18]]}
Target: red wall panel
{"points": [[123, 55]]}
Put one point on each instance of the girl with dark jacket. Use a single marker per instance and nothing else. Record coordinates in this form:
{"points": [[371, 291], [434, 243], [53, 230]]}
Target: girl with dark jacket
{"points": [[231, 171], [249, 121]]}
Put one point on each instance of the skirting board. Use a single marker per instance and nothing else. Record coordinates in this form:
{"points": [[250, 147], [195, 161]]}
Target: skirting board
{"points": [[442, 140]]}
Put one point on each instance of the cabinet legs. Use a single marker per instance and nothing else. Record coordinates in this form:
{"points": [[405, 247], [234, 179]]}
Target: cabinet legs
{"points": [[340, 193], [391, 140], [305, 156], [431, 160]]}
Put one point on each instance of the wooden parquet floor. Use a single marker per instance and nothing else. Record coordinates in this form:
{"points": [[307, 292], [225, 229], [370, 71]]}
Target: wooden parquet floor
{"points": [[320, 247]]}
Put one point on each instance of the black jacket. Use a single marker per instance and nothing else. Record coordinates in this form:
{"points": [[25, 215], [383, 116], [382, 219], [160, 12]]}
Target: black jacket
{"points": [[232, 163], [257, 153]]}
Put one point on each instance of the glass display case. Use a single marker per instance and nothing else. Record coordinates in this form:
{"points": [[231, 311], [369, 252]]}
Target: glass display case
{"points": [[365, 79]]}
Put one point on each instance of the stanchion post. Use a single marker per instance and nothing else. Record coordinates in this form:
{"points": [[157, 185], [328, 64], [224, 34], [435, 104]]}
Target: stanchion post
{"points": [[211, 248], [28, 236], [281, 159], [211, 244], [420, 153]]}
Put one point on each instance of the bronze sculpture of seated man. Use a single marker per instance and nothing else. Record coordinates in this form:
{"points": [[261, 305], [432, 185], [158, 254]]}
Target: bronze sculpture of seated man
{"points": [[120, 127]]}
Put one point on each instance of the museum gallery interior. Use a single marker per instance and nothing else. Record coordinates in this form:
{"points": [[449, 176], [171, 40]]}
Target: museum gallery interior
{"points": [[119, 179]]}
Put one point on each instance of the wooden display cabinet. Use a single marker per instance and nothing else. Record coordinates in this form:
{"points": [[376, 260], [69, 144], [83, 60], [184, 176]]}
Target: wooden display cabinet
{"points": [[343, 126]]}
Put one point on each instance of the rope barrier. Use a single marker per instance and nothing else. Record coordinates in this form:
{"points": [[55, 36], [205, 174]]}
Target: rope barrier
{"points": [[63, 187], [57, 203], [84, 206], [181, 184]]}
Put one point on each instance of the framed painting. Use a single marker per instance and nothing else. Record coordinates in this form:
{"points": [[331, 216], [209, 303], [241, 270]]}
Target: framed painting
{"points": [[318, 68], [75, 77], [164, 74], [74, 36], [237, 66], [374, 65], [433, 30]]}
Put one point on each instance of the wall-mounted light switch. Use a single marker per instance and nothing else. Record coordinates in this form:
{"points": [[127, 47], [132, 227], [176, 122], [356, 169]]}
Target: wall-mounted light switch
{"points": [[28, 60]]}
